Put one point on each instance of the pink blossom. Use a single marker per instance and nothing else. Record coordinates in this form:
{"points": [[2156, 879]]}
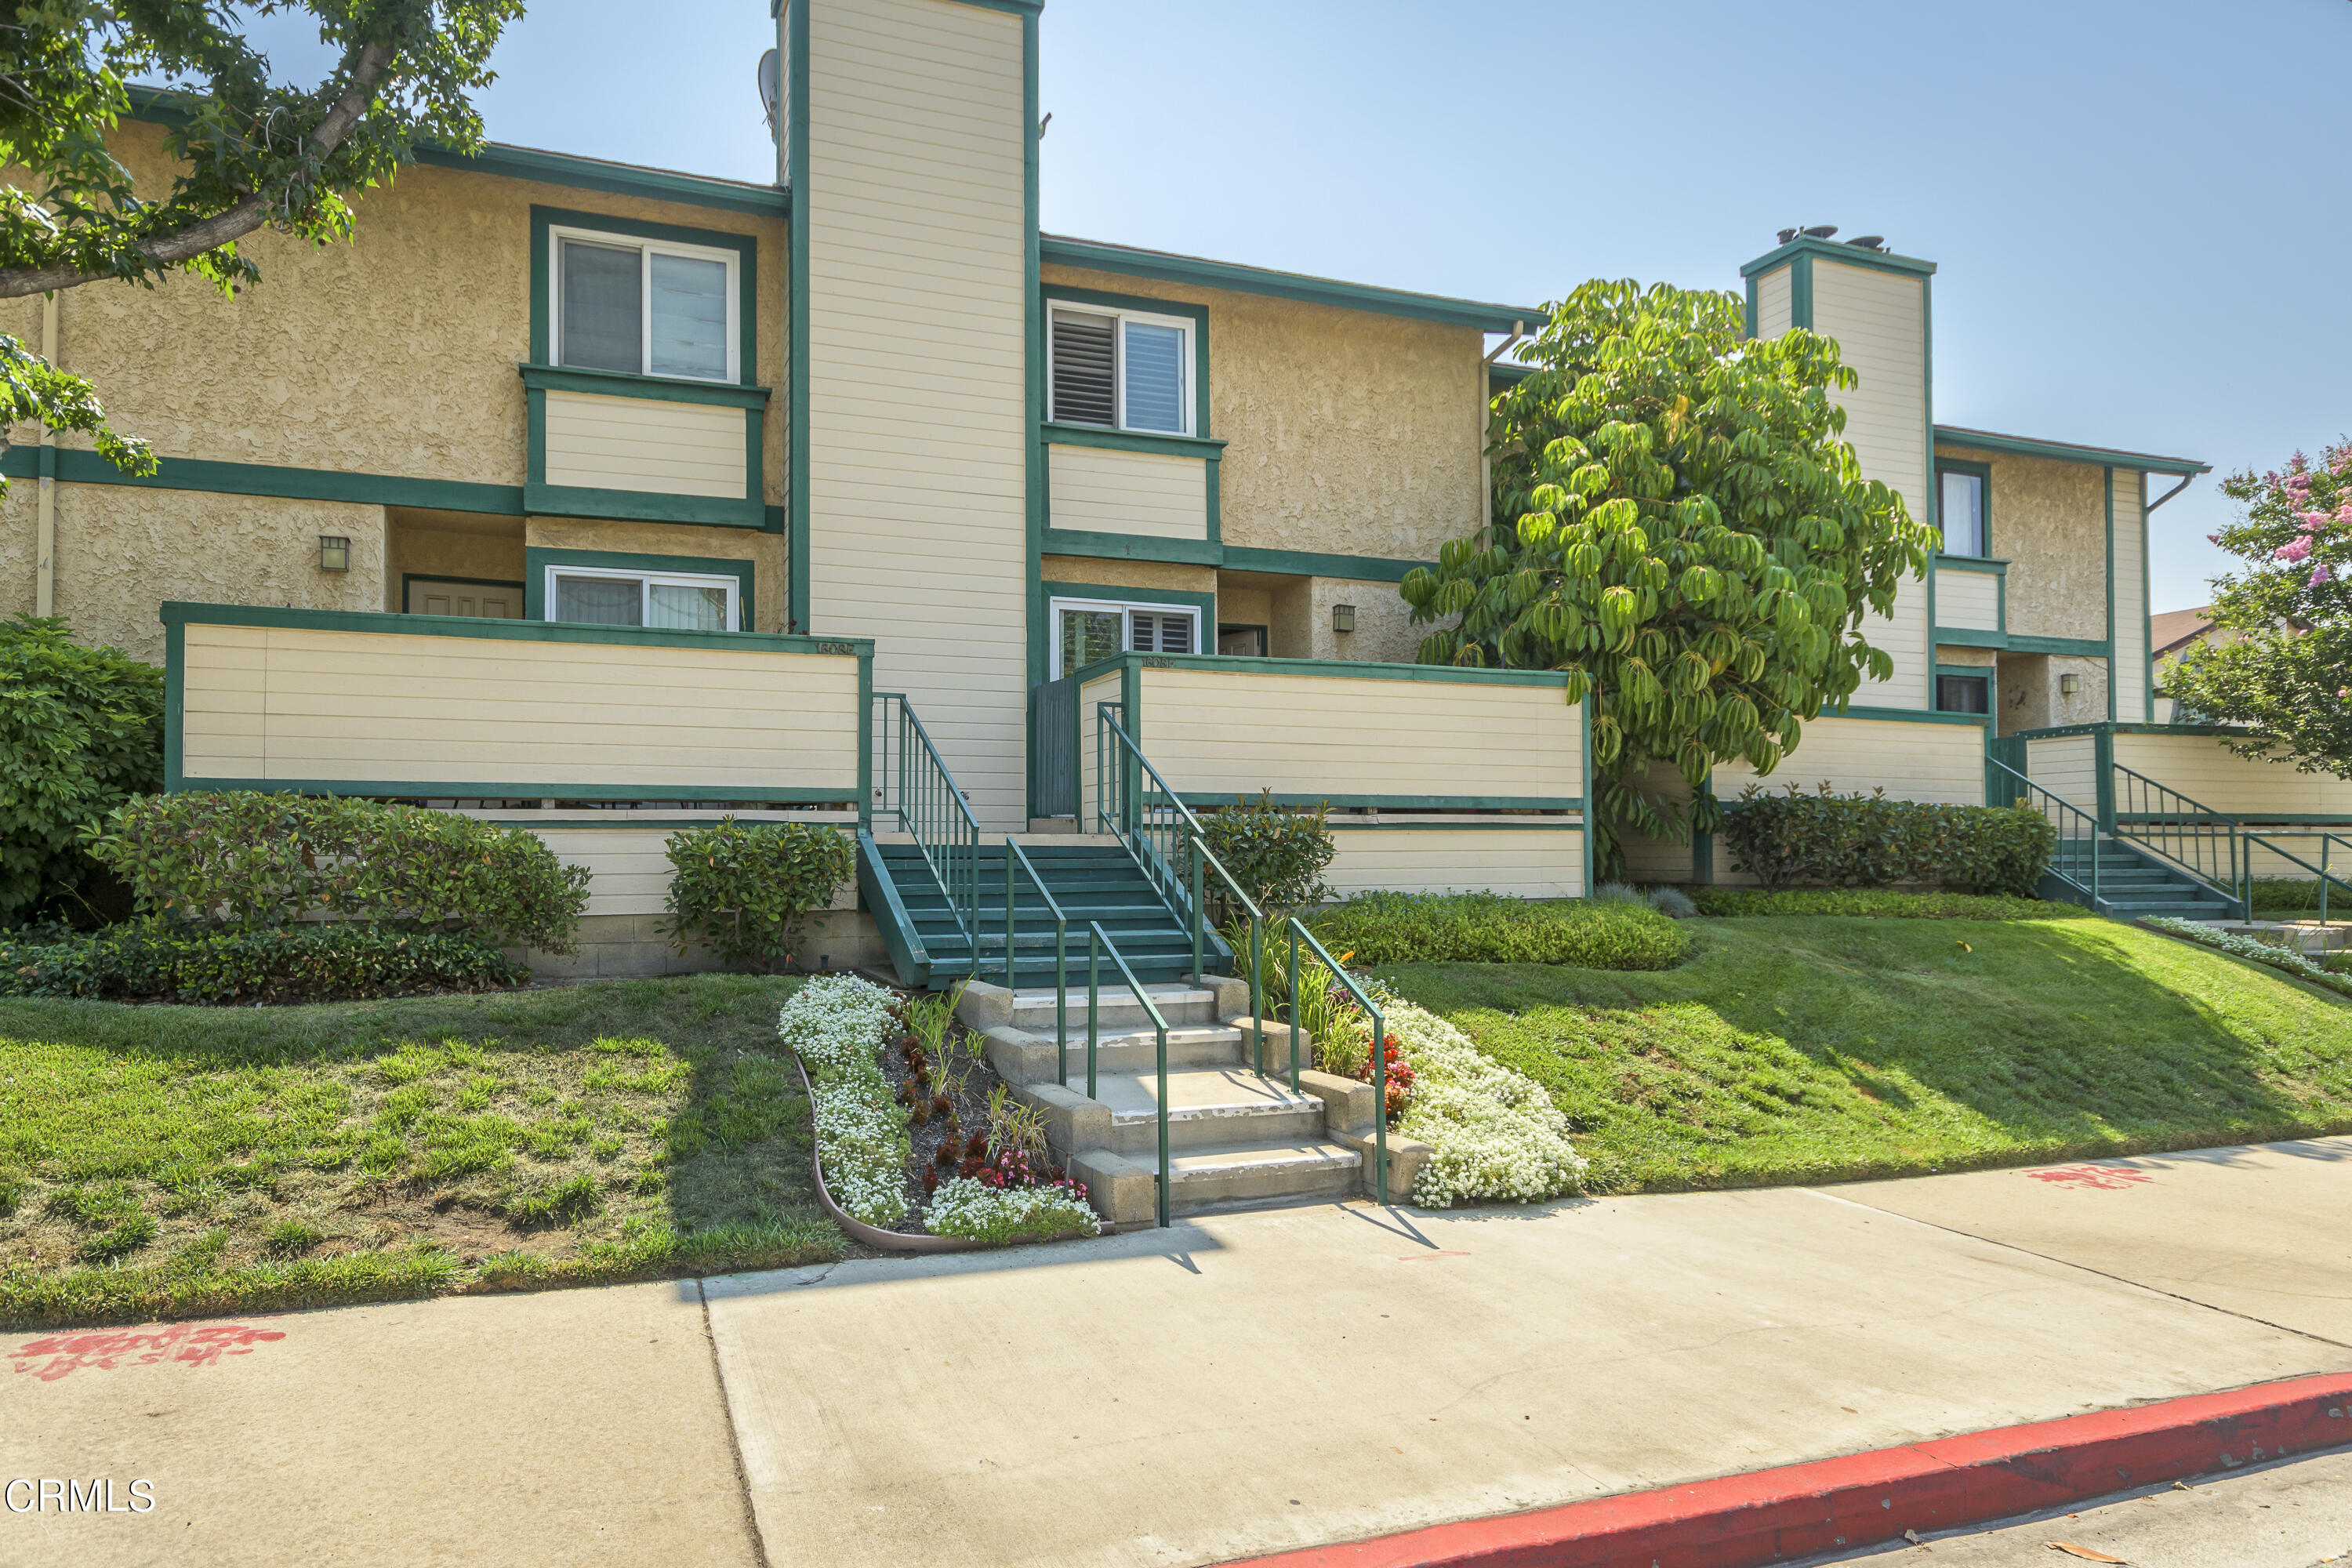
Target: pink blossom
{"points": [[2344, 512], [2315, 519], [2294, 549], [2318, 577], [2212, 539]]}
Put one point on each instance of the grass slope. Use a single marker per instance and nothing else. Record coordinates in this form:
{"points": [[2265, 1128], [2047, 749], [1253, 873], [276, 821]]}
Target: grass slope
{"points": [[169, 1160], [1824, 1048]]}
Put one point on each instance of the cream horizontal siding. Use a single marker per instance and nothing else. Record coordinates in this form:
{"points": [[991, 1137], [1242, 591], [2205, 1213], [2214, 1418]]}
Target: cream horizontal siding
{"points": [[2203, 768], [1102, 688], [1939, 764], [646, 444], [1524, 861], [1773, 315], [1879, 320], [1212, 733], [2127, 673], [2067, 766], [1969, 601], [1110, 491], [369, 707], [914, 211]]}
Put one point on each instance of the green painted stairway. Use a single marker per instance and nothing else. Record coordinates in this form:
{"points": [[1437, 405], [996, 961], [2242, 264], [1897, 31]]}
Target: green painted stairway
{"points": [[1093, 882], [2133, 884]]}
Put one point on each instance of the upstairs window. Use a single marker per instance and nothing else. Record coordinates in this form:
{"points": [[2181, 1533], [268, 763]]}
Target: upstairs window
{"points": [[1086, 631], [644, 307], [1960, 508], [1121, 369], [667, 601]]}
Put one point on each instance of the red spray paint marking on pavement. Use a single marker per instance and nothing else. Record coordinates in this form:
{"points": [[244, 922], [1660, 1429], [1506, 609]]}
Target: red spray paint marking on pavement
{"points": [[61, 1355], [2102, 1177]]}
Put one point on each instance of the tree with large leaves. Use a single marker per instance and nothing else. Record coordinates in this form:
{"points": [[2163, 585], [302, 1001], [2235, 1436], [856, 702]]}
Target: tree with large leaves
{"points": [[2282, 668], [250, 150], [1680, 528]]}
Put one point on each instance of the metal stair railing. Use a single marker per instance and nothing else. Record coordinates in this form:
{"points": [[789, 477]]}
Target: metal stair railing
{"points": [[1097, 942], [1015, 856], [2076, 827], [2193, 837], [2267, 839], [1159, 831], [1379, 1048], [921, 791]]}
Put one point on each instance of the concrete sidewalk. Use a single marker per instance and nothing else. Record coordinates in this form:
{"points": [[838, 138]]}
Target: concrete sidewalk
{"points": [[1237, 1385]]}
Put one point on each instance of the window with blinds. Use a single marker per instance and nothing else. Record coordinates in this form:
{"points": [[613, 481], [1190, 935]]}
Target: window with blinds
{"points": [[643, 308], [1121, 371], [667, 601], [1087, 630]]}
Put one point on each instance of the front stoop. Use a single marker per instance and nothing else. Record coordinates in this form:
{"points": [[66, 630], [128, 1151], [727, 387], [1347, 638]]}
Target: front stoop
{"points": [[1235, 1140]]}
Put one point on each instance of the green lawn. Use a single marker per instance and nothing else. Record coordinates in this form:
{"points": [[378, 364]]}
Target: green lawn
{"points": [[169, 1160], [1801, 1049]]}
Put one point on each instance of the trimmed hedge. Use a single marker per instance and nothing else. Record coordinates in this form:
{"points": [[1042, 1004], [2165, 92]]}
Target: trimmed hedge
{"points": [[1488, 928], [1878, 903], [1870, 841], [744, 890], [1276, 853], [169, 960], [249, 858], [81, 731]]}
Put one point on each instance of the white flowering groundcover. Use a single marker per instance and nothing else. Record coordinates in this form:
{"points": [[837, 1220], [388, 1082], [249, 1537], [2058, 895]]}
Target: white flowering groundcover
{"points": [[2261, 952], [838, 1024], [1496, 1133]]}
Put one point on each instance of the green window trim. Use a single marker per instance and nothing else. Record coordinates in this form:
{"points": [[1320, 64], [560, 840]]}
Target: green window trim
{"points": [[536, 562], [657, 388], [1042, 636], [1982, 473], [1198, 315], [747, 276], [1987, 673]]}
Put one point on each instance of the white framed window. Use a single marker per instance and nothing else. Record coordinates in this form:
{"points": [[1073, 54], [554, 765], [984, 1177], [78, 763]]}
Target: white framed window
{"points": [[666, 600], [1124, 369], [644, 307], [1087, 629]]}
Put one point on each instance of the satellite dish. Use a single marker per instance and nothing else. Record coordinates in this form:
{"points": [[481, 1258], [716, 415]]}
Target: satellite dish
{"points": [[771, 89]]}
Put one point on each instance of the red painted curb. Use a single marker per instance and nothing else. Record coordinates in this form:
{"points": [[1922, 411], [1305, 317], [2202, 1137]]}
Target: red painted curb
{"points": [[1797, 1510]]}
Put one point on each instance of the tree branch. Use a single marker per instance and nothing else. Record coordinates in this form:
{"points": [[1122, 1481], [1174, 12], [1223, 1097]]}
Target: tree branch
{"points": [[249, 212]]}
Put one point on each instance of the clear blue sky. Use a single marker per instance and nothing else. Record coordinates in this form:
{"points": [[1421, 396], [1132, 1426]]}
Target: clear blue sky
{"points": [[2136, 208]]}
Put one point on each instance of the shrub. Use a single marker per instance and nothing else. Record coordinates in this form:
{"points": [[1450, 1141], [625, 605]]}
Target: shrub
{"points": [[249, 858], [1488, 928], [1870, 841], [837, 1023], [180, 962], [744, 890], [1276, 853], [1878, 903], [1494, 1131], [81, 731], [967, 1207]]}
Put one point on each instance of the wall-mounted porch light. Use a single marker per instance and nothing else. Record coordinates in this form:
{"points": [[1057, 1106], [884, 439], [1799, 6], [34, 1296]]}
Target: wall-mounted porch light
{"points": [[334, 553], [1343, 617], [2069, 684]]}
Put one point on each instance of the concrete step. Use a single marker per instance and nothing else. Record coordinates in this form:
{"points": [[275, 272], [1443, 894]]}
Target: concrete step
{"points": [[1129, 1051], [1293, 1171], [1178, 1004], [1208, 1108]]}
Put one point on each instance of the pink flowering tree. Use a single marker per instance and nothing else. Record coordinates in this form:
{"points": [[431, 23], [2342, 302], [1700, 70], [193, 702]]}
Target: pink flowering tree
{"points": [[2284, 672]]}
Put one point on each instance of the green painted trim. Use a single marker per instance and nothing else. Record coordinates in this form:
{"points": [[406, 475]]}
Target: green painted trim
{"points": [[1347, 669], [1551, 824], [1753, 304], [1197, 314], [1964, 637], [1970, 563], [1584, 752], [1095, 256], [643, 506], [656, 388], [865, 739], [175, 689], [1804, 247], [1045, 632], [1987, 673], [2207, 730], [2146, 615], [1398, 802], [1027, 9], [536, 560], [1207, 448], [1296, 562], [1983, 472], [797, 566], [2107, 815], [177, 611], [1039, 499], [1800, 292], [530, 818], [1127, 547], [1906, 716], [2103, 772], [78, 467], [747, 276], [468, 789], [408, 577], [2066, 451]]}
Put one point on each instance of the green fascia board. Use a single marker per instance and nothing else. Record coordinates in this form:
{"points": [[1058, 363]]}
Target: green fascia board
{"points": [[1059, 250], [1127, 547], [1970, 563], [1901, 716], [79, 467], [643, 506], [1509, 372], [796, 318], [1203, 446], [2067, 452], [2221, 731], [656, 388], [1301, 564], [1557, 825], [1968, 636], [469, 789], [536, 560], [1345, 669], [183, 613], [2077, 648], [159, 106], [1399, 803], [628, 819], [1805, 246]]}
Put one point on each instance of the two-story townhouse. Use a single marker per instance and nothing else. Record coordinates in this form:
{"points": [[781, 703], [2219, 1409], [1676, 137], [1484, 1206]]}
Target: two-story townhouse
{"points": [[603, 499]]}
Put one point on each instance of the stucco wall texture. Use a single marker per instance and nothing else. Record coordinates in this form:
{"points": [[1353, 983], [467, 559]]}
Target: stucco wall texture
{"points": [[1346, 432], [2050, 524], [765, 551]]}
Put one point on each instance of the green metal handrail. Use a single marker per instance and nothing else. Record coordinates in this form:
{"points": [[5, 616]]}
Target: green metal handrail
{"points": [[2193, 835], [2075, 825], [1379, 1048], [934, 811], [1015, 856], [1097, 940], [1153, 830], [2266, 840]]}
